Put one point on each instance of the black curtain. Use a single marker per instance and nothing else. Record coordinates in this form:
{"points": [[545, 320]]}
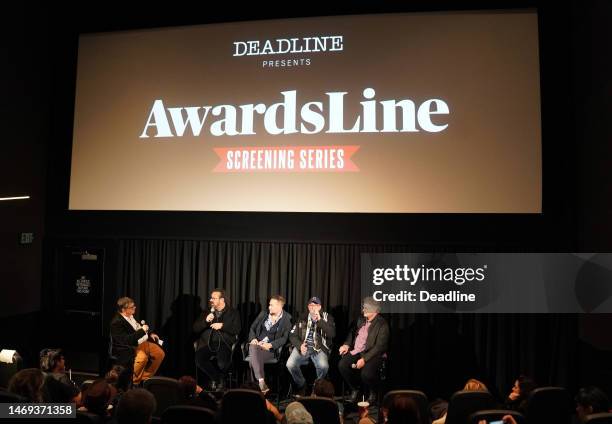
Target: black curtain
{"points": [[171, 280]]}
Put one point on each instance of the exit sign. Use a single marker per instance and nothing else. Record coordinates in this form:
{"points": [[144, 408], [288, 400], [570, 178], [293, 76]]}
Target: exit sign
{"points": [[26, 238]]}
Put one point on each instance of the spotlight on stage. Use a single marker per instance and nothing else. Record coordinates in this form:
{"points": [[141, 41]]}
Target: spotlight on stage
{"points": [[10, 363]]}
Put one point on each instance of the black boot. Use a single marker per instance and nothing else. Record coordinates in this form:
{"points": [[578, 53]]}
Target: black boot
{"points": [[300, 391], [354, 396], [221, 385]]}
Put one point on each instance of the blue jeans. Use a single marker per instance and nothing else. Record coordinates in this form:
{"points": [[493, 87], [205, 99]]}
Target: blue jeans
{"points": [[319, 359]]}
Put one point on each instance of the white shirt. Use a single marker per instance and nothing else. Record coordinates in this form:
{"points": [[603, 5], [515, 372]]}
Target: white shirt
{"points": [[136, 326]]}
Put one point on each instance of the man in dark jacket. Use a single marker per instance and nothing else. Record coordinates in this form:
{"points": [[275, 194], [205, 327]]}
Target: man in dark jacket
{"points": [[268, 333], [362, 352], [311, 338], [130, 343], [218, 329]]}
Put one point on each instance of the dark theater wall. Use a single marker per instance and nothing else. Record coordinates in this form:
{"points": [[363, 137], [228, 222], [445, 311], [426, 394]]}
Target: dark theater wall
{"points": [[25, 81]]}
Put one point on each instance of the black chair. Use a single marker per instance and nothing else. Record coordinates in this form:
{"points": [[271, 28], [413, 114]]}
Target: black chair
{"points": [[166, 392], [241, 405], [232, 370], [496, 415], [112, 359], [277, 363], [323, 410], [382, 375], [601, 418], [419, 397], [464, 403], [182, 414], [549, 404], [8, 397]]}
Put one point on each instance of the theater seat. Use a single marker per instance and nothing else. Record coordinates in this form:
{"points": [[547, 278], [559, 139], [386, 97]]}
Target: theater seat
{"points": [[419, 397], [323, 410], [549, 404], [464, 403], [184, 414], [8, 397], [166, 392], [601, 418], [241, 405], [496, 415]]}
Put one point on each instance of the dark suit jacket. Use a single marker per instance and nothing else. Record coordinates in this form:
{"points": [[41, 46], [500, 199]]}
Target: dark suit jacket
{"points": [[378, 337], [124, 340], [279, 338], [228, 333]]}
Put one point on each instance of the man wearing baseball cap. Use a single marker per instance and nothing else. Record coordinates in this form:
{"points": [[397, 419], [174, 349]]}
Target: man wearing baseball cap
{"points": [[312, 338], [362, 352]]}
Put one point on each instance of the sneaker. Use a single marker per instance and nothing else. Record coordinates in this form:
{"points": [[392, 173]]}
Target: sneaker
{"points": [[263, 387]]}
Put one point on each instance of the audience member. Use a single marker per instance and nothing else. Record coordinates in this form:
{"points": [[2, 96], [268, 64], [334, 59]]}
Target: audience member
{"points": [[518, 397], [324, 388], [57, 387], [403, 409], [120, 378], [97, 398], [591, 400], [194, 395], [297, 414], [136, 407], [28, 383]]}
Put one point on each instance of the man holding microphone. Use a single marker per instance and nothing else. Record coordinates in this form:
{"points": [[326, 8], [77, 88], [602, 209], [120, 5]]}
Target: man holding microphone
{"points": [[130, 343], [218, 329], [311, 338]]}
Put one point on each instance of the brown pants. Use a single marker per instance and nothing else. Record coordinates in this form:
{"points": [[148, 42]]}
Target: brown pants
{"points": [[143, 368]]}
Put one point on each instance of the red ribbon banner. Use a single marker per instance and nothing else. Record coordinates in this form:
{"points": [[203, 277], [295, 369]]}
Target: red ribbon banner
{"points": [[286, 159]]}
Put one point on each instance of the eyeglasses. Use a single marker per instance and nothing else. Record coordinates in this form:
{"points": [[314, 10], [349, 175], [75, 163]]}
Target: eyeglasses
{"points": [[131, 307]]}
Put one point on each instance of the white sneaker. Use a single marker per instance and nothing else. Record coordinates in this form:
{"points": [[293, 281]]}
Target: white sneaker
{"points": [[263, 387]]}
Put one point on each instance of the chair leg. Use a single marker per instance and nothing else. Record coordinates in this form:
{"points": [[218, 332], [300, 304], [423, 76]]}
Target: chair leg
{"points": [[278, 386], [196, 374]]}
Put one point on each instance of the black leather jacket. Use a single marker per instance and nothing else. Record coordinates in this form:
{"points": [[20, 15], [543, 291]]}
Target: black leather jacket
{"points": [[325, 331]]}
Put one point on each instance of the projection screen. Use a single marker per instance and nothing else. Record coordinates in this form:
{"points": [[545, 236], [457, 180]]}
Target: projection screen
{"points": [[393, 113]]}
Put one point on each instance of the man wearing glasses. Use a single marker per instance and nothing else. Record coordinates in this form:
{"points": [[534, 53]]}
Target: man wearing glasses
{"points": [[132, 344], [218, 329], [362, 352]]}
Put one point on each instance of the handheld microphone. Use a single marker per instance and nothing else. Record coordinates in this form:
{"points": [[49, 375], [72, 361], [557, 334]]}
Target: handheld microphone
{"points": [[142, 322], [212, 312], [353, 365]]}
